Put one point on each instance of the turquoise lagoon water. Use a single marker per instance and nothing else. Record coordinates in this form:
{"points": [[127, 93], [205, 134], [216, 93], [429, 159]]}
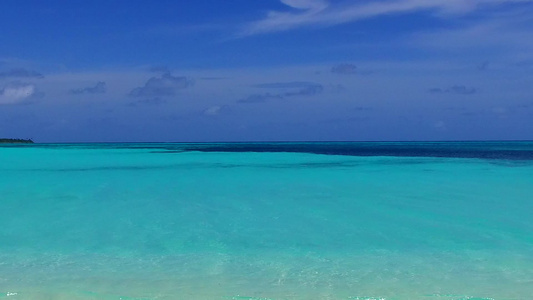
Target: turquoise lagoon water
{"points": [[434, 221]]}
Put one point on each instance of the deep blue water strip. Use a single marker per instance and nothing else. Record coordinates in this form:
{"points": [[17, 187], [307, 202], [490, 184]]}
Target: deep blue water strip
{"points": [[505, 150]]}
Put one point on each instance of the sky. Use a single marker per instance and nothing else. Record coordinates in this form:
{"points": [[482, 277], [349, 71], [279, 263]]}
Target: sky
{"points": [[266, 70]]}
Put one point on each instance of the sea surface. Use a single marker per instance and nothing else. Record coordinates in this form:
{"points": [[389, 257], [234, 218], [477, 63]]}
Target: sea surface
{"points": [[249, 221]]}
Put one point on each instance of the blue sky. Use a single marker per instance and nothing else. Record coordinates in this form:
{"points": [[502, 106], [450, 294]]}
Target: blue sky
{"points": [[270, 70]]}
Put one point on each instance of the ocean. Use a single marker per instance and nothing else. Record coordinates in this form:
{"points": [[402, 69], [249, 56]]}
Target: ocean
{"points": [[250, 221]]}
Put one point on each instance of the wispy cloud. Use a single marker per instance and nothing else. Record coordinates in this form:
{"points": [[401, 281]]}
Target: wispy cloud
{"points": [[483, 66], [159, 69], [16, 92], [495, 36], [259, 98], [148, 101], [164, 85], [284, 90], [287, 85], [212, 78], [21, 73], [324, 13], [215, 110], [310, 90], [99, 88], [344, 69], [456, 89], [183, 30]]}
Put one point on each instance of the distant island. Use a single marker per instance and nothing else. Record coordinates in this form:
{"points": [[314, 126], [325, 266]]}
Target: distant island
{"points": [[18, 141]]}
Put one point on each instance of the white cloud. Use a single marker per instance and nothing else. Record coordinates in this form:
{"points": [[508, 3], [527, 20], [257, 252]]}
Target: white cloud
{"points": [[16, 92], [323, 13], [213, 110]]}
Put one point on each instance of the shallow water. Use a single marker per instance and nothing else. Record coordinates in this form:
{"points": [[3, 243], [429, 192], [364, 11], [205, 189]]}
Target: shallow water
{"points": [[267, 221]]}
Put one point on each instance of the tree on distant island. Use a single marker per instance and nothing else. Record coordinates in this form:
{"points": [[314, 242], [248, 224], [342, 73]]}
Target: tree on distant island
{"points": [[12, 141]]}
